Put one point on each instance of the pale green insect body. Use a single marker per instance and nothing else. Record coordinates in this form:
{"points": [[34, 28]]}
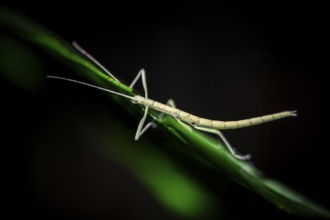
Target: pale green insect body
{"points": [[208, 123]]}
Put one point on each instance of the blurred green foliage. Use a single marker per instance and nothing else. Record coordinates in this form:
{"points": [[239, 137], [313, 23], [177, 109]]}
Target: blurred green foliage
{"points": [[171, 186], [20, 65]]}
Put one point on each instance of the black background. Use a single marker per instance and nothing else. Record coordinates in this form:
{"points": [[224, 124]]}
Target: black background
{"points": [[226, 62]]}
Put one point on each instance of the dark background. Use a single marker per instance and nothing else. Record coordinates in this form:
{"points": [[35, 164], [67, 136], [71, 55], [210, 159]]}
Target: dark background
{"points": [[227, 62]]}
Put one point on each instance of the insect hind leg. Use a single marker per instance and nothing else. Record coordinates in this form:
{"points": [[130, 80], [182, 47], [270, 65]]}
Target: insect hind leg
{"points": [[224, 140]]}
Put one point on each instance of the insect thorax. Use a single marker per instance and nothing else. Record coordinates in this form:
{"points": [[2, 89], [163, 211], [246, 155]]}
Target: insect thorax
{"points": [[138, 100]]}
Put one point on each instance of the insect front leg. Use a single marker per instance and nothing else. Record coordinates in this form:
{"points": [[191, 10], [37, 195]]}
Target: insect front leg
{"points": [[140, 129], [141, 74]]}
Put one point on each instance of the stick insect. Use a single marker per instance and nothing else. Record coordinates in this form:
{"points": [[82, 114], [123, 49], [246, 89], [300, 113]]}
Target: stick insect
{"points": [[202, 124]]}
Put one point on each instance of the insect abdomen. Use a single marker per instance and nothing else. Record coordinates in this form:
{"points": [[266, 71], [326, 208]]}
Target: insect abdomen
{"points": [[223, 125]]}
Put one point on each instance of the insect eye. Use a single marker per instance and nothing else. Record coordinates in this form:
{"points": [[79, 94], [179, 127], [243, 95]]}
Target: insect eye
{"points": [[193, 123]]}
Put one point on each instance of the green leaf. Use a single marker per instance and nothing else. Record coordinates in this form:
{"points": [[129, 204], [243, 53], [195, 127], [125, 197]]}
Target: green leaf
{"points": [[28, 75], [200, 144]]}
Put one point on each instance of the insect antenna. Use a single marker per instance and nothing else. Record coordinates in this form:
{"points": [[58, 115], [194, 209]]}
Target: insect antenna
{"points": [[90, 57], [90, 85]]}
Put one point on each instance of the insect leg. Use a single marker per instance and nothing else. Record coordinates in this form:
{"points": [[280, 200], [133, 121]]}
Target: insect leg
{"points": [[140, 130], [152, 124], [91, 58], [224, 140], [171, 103], [141, 74]]}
